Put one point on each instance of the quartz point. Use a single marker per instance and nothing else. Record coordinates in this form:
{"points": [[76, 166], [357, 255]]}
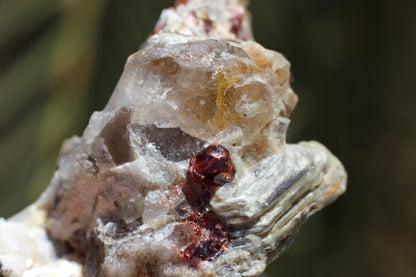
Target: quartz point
{"points": [[186, 171]]}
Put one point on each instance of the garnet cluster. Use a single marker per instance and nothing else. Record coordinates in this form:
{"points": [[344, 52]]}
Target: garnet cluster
{"points": [[208, 170]]}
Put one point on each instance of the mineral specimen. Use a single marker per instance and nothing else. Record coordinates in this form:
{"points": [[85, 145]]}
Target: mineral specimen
{"points": [[186, 171]]}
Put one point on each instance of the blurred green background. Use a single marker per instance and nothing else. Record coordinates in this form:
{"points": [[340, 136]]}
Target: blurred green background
{"points": [[354, 64]]}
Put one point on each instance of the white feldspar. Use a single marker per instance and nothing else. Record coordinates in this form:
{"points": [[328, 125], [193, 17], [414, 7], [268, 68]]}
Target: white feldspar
{"points": [[123, 202]]}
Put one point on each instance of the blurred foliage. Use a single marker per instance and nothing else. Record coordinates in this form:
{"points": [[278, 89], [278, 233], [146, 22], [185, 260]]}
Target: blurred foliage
{"points": [[354, 64]]}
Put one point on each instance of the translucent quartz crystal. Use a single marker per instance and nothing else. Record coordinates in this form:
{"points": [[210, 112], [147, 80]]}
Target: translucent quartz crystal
{"points": [[186, 171]]}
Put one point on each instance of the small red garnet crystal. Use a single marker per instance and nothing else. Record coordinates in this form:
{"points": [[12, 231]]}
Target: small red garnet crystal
{"points": [[212, 167], [211, 238]]}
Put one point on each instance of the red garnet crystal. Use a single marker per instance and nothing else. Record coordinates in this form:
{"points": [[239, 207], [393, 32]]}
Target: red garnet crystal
{"points": [[208, 170], [212, 167], [211, 238]]}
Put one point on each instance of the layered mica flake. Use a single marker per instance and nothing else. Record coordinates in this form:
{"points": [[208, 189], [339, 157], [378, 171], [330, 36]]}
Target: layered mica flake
{"points": [[186, 171]]}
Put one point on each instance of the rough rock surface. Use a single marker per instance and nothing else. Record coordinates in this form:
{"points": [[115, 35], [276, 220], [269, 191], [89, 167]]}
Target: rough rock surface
{"points": [[186, 171]]}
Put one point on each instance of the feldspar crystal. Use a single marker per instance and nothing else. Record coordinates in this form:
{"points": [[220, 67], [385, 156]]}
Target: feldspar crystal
{"points": [[186, 171]]}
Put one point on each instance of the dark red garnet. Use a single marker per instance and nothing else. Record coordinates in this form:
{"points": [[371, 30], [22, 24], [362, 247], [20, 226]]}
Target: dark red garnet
{"points": [[237, 21], [211, 167], [211, 238], [208, 170]]}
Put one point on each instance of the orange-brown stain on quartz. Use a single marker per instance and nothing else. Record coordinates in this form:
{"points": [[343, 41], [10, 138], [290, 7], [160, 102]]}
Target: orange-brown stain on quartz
{"points": [[258, 57], [227, 98], [333, 189], [283, 76], [208, 24], [243, 68], [261, 147]]}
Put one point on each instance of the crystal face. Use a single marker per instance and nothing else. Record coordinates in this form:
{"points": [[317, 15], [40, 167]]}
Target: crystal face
{"points": [[174, 144]]}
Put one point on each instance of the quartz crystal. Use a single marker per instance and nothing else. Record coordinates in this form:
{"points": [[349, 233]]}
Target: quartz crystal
{"points": [[186, 171]]}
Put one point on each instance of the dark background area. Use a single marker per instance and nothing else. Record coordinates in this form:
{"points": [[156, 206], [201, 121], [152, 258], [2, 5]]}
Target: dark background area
{"points": [[354, 64]]}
